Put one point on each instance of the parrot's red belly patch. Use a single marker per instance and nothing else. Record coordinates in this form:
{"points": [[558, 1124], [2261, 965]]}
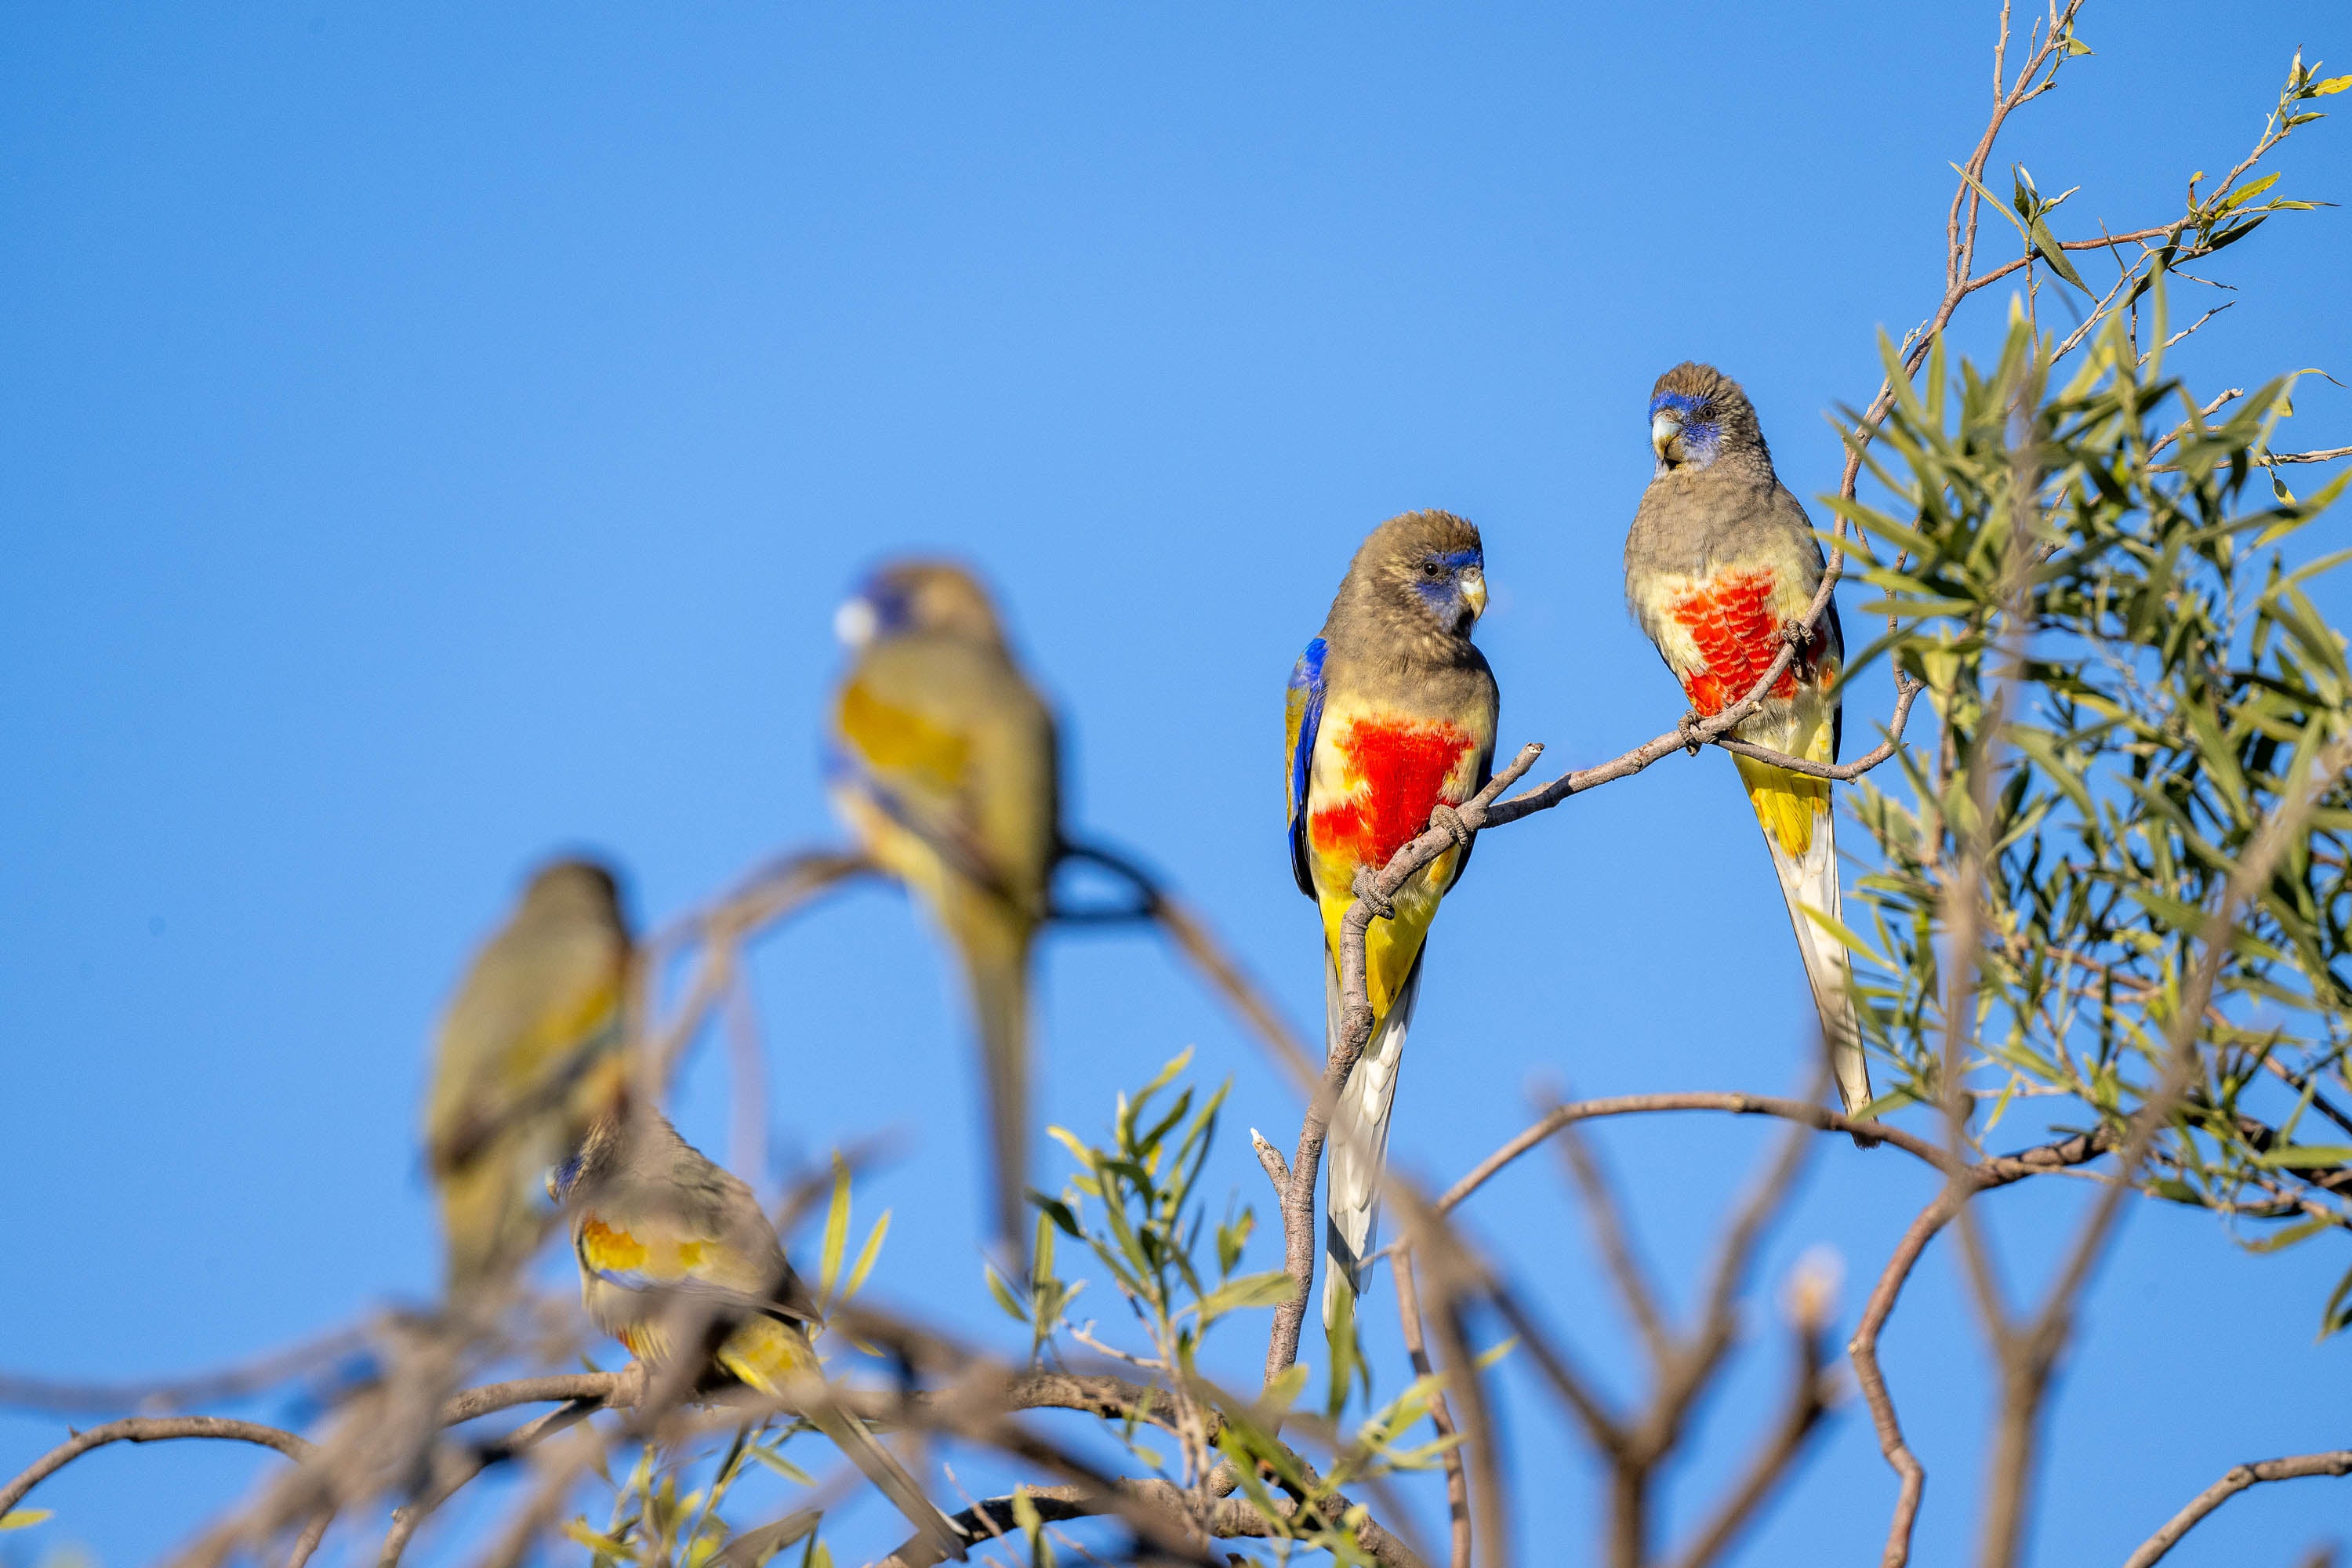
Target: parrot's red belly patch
{"points": [[1737, 634], [1403, 768]]}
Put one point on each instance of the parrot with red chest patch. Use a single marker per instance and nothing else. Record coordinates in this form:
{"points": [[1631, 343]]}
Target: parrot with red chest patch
{"points": [[1720, 559], [1391, 717]]}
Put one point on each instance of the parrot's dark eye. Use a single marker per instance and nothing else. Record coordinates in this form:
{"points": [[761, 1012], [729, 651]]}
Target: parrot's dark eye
{"points": [[1431, 569]]}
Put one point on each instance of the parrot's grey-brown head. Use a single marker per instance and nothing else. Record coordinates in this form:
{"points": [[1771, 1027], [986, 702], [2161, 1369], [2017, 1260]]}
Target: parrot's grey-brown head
{"points": [[918, 596], [575, 886], [1427, 566], [1698, 414], [590, 1162]]}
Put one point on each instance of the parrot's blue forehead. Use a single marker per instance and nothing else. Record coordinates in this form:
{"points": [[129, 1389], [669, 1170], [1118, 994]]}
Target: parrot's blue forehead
{"points": [[1679, 402], [1461, 560], [886, 600]]}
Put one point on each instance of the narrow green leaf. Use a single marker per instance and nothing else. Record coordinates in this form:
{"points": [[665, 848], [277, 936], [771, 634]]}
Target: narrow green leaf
{"points": [[1267, 1290], [24, 1517], [865, 1257], [1004, 1296], [1998, 205], [1059, 1213], [1341, 1338], [2337, 1313], [836, 1230], [782, 1466], [2307, 1156]]}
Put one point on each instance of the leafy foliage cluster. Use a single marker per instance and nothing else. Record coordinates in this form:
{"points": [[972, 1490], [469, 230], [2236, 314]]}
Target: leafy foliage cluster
{"points": [[2131, 682]]}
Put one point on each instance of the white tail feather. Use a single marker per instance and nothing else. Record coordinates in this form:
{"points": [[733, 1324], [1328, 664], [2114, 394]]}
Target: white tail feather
{"points": [[1810, 881], [1359, 1139]]}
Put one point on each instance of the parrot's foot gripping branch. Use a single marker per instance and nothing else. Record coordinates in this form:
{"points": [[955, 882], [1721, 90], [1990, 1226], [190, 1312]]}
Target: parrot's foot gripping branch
{"points": [[1367, 886], [1688, 728]]}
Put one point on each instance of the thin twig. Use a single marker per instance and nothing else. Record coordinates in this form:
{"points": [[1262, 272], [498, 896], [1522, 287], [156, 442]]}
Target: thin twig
{"points": [[1604, 1212], [1440, 1413], [2238, 1479], [149, 1429]]}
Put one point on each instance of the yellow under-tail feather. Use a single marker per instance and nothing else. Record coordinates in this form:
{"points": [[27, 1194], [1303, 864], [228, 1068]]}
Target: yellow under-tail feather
{"points": [[1787, 805], [763, 1350], [1390, 946], [1793, 809]]}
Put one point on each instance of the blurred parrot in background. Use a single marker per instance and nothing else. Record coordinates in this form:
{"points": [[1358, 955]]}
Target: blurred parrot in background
{"points": [[532, 1052], [1391, 714], [654, 1224], [1720, 568], [946, 767]]}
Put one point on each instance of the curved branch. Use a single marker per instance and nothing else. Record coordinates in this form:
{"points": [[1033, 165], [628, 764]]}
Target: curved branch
{"points": [[1820, 1118], [149, 1429], [604, 1387], [2239, 1476], [1228, 1518], [1906, 691], [452, 1472], [720, 928]]}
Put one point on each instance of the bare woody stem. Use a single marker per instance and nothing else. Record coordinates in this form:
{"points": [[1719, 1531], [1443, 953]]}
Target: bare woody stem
{"points": [[149, 1429], [1441, 1411], [2238, 1479], [1355, 1032]]}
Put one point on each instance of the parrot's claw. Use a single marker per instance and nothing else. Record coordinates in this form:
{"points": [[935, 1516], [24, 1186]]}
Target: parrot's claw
{"points": [[1797, 636], [1445, 816], [1688, 728], [628, 1387], [1367, 888]]}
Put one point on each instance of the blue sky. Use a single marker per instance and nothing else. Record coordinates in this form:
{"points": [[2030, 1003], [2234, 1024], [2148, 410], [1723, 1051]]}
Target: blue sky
{"points": [[430, 438]]}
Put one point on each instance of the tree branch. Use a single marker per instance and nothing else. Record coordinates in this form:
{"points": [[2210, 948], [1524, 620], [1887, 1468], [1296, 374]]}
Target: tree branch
{"points": [[148, 1430], [1441, 1412], [2238, 1479]]}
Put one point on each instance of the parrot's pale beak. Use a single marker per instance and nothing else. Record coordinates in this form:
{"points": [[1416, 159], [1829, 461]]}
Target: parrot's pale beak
{"points": [[1474, 591], [1664, 429], [855, 623]]}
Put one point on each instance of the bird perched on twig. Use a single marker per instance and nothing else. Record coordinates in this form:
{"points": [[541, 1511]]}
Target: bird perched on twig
{"points": [[946, 767], [1720, 567], [1390, 721], [531, 1054], [669, 1244]]}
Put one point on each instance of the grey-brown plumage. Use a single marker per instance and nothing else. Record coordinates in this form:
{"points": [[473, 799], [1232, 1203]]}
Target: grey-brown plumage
{"points": [[1721, 566], [660, 1231], [1390, 715], [529, 1055], [947, 769]]}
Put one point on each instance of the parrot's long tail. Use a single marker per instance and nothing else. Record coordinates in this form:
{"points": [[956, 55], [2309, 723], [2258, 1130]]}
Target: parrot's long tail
{"points": [[1359, 1139], [1800, 831], [882, 1468], [488, 1217], [996, 959], [785, 1363]]}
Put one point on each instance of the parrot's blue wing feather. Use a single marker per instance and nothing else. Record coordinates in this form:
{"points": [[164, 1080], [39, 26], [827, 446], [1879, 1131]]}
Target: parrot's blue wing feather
{"points": [[1303, 714]]}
